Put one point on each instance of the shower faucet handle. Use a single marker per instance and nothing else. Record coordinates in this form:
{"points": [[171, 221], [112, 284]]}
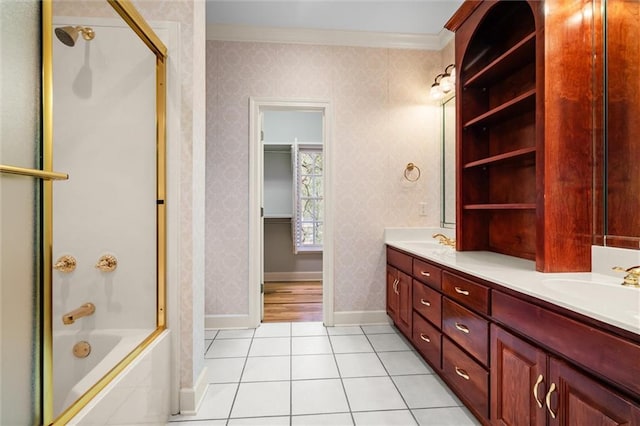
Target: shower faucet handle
{"points": [[107, 263], [65, 264]]}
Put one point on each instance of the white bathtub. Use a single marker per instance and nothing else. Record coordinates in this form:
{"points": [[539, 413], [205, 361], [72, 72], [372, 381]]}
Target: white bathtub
{"points": [[74, 376]]}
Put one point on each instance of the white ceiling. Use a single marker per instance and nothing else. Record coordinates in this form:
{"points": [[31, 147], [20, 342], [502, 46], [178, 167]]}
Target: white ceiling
{"points": [[419, 17]]}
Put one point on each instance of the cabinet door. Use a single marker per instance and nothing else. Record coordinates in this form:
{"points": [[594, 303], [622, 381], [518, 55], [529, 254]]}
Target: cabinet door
{"points": [[574, 399], [392, 293], [405, 303], [518, 380]]}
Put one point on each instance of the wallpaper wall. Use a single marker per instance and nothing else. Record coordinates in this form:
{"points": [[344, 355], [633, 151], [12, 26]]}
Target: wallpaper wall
{"points": [[383, 119]]}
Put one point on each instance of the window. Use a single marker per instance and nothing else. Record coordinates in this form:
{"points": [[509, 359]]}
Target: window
{"points": [[309, 192]]}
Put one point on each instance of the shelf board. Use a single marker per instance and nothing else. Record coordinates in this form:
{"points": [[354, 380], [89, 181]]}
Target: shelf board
{"points": [[501, 157], [517, 105], [512, 59], [511, 206]]}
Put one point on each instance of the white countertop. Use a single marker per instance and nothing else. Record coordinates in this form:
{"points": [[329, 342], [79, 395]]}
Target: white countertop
{"points": [[595, 295]]}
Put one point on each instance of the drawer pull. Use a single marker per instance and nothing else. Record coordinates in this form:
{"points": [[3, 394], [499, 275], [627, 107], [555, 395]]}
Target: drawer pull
{"points": [[460, 372], [424, 302], [535, 390], [395, 286], [461, 291], [462, 328], [425, 273], [425, 338], [548, 399]]}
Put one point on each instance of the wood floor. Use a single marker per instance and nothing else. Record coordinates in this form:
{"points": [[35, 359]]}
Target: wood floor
{"points": [[293, 301]]}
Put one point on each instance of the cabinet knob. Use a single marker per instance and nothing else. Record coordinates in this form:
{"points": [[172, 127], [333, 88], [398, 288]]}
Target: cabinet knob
{"points": [[460, 372], [548, 400], [535, 390], [461, 291]]}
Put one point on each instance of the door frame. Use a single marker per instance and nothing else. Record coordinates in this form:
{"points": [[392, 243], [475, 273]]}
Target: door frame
{"points": [[256, 177]]}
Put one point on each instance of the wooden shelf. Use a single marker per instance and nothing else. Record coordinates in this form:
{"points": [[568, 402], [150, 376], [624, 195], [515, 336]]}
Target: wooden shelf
{"points": [[522, 103], [514, 58], [510, 206], [501, 157]]}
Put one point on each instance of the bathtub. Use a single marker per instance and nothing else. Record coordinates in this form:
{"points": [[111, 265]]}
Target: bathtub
{"points": [[74, 376]]}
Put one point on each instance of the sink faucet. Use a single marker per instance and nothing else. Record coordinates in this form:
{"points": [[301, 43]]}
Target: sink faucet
{"points": [[83, 311], [633, 275], [444, 240]]}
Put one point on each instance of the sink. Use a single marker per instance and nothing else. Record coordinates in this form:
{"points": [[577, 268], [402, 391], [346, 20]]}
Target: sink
{"points": [[608, 299]]}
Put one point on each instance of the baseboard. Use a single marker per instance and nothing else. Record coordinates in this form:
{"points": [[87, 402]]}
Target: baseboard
{"points": [[361, 318], [190, 398], [227, 321], [293, 276]]}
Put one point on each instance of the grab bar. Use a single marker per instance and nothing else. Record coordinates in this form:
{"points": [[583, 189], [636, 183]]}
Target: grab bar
{"points": [[41, 174]]}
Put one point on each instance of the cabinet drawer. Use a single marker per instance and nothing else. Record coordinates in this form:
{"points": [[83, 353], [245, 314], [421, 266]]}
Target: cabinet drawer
{"points": [[400, 260], [469, 293], [427, 302], [428, 340], [427, 273], [467, 329], [468, 377]]}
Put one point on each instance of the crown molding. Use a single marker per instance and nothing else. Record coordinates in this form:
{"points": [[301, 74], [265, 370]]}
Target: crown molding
{"points": [[243, 33]]}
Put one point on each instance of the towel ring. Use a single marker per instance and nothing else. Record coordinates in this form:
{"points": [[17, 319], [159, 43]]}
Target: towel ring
{"points": [[409, 169]]}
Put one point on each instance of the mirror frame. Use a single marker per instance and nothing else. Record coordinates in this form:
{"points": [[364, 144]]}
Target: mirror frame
{"points": [[138, 24], [446, 222]]}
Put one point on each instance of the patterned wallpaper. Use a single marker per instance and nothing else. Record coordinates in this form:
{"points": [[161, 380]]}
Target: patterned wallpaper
{"points": [[383, 119]]}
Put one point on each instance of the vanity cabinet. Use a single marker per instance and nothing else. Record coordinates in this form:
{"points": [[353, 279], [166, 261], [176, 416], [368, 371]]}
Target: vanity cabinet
{"points": [[513, 359], [523, 134], [531, 387]]}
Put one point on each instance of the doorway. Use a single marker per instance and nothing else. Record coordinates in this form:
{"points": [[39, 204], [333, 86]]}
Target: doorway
{"points": [[290, 235]]}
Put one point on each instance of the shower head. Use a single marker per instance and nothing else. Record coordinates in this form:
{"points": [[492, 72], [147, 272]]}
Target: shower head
{"points": [[69, 35]]}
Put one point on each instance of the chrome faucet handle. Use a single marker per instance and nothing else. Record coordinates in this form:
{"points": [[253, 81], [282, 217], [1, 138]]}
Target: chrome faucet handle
{"points": [[632, 279]]}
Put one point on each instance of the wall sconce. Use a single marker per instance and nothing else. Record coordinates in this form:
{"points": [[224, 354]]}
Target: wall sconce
{"points": [[444, 83]]}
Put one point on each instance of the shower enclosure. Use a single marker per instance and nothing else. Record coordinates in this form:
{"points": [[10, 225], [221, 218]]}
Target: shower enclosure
{"points": [[96, 241]]}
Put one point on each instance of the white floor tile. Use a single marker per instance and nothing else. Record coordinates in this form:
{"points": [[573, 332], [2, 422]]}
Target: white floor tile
{"points": [[378, 329], [318, 397], [360, 365], [405, 362], [271, 346], [313, 367], [259, 421], [424, 391], [311, 345], [197, 422], [262, 399], [350, 344], [372, 394], [454, 416], [210, 333], [344, 330], [273, 329], [235, 334], [385, 418], [224, 370], [308, 329], [228, 348], [388, 342], [269, 368], [339, 419]]}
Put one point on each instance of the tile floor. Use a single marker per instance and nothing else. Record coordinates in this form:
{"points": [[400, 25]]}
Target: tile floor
{"points": [[303, 374]]}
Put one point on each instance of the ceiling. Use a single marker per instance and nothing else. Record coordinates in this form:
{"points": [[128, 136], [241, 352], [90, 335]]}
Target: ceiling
{"points": [[416, 17]]}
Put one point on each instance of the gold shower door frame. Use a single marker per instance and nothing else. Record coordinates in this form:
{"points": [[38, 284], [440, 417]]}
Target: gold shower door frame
{"points": [[138, 24]]}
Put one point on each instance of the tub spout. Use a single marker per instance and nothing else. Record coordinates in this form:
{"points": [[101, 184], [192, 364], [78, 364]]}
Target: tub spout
{"points": [[83, 311]]}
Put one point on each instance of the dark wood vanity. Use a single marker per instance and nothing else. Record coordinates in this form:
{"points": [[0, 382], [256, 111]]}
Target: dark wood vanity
{"points": [[511, 358]]}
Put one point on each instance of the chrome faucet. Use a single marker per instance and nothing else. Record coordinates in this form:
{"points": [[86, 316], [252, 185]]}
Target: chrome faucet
{"points": [[444, 240], [83, 311], [632, 279]]}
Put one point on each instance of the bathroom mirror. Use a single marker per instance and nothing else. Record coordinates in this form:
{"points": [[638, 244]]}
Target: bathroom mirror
{"points": [[617, 171], [448, 178], [107, 290]]}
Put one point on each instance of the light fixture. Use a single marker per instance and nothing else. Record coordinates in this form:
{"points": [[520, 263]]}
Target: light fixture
{"points": [[443, 83]]}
